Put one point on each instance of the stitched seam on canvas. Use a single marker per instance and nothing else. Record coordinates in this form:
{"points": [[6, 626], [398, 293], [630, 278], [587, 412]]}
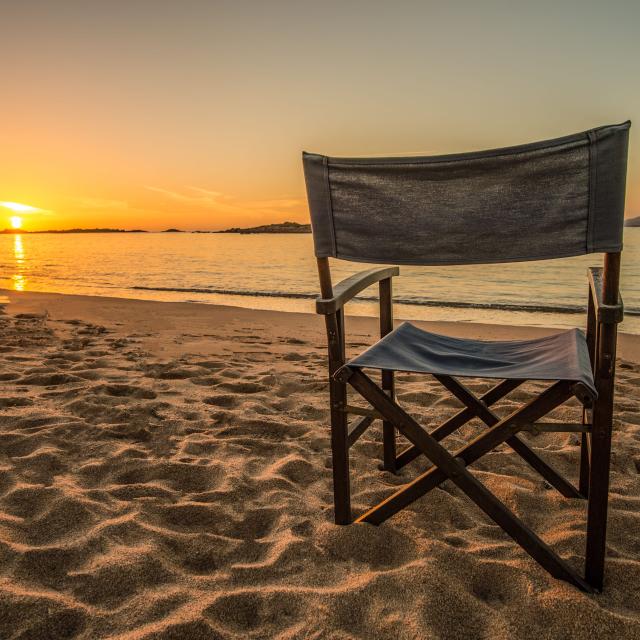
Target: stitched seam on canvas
{"points": [[425, 160], [593, 162], [332, 227], [452, 262]]}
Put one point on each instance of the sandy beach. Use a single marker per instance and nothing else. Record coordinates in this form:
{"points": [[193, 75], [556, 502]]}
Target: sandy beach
{"points": [[165, 474]]}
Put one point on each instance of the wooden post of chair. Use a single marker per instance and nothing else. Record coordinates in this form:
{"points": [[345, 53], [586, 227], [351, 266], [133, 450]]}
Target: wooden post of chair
{"points": [[388, 384], [592, 340], [338, 401], [601, 429]]}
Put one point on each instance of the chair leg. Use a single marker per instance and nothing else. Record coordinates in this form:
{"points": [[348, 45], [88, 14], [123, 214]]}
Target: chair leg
{"points": [[584, 466], [602, 425], [455, 468], [520, 447], [388, 384], [554, 478], [340, 453], [388, 430], [598, 501], [459, 419], [554, 396]]}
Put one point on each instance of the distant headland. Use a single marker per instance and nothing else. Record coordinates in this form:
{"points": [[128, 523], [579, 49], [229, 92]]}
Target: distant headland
{"points": [[632, 222], [281, 227]]}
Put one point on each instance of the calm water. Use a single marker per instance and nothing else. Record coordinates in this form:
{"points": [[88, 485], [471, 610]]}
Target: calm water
{"points": [[278, 272]]}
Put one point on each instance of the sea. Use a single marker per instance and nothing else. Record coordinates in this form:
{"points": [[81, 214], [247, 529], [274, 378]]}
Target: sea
{"points": [[278, 272]]}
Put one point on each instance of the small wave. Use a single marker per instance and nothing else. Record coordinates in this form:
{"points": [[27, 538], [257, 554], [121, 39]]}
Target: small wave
{"points": [[233, 292], [495, 306]]}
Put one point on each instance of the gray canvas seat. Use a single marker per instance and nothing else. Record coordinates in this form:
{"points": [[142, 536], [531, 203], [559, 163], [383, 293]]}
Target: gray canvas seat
{"points": [[551, 199], [562, 356]]}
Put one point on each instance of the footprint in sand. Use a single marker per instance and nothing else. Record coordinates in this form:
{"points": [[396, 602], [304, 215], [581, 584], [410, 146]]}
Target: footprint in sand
{"points": [[29, 501], [271, 610], [298, 470], [226, 400], [48, 379], [174, 371], [39, 616], [125, 391], [242, 387], [15, 401], [192, 629], [65, 518], [121, 576]]}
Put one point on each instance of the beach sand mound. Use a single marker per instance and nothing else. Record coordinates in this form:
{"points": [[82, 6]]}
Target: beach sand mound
{"points": [[186, 494]]}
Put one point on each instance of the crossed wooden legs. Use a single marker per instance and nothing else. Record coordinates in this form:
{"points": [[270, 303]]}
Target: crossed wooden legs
{"points": [[491, 419], [453, 467]]}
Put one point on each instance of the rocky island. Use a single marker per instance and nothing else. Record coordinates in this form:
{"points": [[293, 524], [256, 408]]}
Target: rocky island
{"points": [[281, 227]]}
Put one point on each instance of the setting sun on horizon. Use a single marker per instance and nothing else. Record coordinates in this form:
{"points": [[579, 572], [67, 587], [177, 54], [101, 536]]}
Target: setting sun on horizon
{"points": [[16, 221]]}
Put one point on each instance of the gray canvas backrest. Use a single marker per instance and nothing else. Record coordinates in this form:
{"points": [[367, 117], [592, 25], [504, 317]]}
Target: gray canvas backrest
{"points": [[561, 197]]}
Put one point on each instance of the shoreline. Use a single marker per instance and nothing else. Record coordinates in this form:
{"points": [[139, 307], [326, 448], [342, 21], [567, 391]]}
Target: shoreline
{"points": [[104, 309], [212, 269]]}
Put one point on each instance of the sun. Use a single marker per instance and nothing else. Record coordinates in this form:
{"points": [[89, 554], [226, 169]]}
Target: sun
{"points": [[21, 212]]}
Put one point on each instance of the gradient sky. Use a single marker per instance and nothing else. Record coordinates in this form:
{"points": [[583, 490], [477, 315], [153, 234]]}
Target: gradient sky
{"points": [[193, 113]]}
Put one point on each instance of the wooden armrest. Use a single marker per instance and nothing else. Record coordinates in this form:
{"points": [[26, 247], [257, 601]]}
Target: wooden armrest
{"points": [[349, 288], [605, 313]]}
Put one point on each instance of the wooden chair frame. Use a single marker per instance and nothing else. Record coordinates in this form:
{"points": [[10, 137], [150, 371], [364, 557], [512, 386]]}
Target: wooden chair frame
{"points": [[605, 311]]}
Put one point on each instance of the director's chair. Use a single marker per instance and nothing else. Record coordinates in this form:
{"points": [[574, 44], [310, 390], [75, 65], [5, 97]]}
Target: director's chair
{"points": [[551, 199]]}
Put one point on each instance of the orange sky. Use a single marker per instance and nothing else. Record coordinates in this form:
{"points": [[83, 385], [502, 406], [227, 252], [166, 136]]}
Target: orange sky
{"points": [[152, 113]]}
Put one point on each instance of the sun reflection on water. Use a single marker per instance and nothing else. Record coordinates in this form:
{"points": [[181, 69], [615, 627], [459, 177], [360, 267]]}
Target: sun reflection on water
{"points": [[19, 280]]}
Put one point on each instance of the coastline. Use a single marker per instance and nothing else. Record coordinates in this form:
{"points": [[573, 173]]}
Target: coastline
{"points": [[212, 268], [133, 315]]}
